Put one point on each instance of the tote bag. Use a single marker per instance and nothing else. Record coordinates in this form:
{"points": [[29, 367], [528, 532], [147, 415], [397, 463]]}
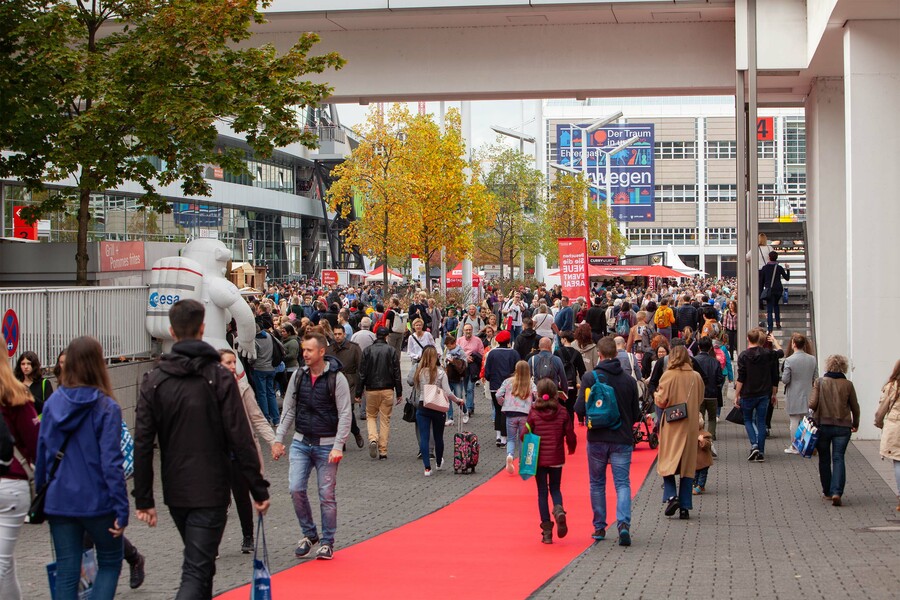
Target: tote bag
{"points": [[528, 461], [261, 587], [434, 398]]}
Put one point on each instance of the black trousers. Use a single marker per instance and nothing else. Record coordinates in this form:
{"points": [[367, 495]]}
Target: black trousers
{"points": [[499, 417], [241, 492], [201, 531]]}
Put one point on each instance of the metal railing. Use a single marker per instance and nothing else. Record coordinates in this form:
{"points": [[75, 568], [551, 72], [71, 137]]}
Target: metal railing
{"points": [[50, 318], [782, 208]]}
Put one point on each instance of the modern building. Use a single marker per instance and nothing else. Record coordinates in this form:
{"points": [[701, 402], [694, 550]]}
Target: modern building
{"points": [[275, 216], [695, 171]]}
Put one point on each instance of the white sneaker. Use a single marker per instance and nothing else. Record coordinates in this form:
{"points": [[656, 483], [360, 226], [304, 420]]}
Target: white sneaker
{"points": [[510, 468], [712, 449], [465, 417], [448, 422], [427, 472], [791, 450], [503, 440], [440, 466]]}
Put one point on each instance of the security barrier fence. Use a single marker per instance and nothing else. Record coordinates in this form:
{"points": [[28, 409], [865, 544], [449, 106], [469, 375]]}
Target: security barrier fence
{"points": [[46, 320]]}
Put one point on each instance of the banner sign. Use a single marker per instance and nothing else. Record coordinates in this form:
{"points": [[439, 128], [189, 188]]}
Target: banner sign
{"points": [[603, 261], [631, 169], [22, 229], [121, 256], [573, 267], [329, 277], [196, 215], [417, 269]]}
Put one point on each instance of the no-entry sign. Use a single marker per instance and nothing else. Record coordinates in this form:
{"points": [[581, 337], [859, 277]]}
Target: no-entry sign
{"points": [[11, 332]]}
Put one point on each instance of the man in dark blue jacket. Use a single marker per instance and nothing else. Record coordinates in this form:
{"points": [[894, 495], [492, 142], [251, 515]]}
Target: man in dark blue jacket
{"points": [[713, 380], [611, 446], [500, 364]]}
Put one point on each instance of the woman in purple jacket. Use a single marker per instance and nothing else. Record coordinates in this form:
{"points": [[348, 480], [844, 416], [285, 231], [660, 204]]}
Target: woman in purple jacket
{"points": [[87, 493]]}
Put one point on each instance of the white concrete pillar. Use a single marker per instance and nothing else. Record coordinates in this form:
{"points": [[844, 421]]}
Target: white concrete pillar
{"points": [[825, 206], [871, 88]]}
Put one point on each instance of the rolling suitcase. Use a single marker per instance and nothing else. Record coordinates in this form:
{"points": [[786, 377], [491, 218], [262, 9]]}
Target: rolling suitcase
{"points": [[465, 450]]}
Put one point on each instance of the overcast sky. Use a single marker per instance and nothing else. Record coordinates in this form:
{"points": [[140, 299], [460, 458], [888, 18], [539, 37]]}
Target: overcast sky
{"points": [[507, 113]]}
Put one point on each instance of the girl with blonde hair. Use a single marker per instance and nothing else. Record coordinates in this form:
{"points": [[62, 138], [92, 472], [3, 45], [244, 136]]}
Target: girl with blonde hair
{"points": [[516, 395]]}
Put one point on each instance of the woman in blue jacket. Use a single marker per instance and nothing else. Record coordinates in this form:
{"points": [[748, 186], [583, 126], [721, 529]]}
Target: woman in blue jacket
{"points": [[87, 493]]}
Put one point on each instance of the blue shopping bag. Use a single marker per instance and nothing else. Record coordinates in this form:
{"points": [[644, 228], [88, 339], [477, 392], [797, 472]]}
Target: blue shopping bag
{"points": [[806, 437], [528, 460], [88, 574], [261, 588]]}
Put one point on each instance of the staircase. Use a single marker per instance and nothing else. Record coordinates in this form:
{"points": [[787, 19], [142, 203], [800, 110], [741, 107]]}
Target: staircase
{"points": [[789, 240]]}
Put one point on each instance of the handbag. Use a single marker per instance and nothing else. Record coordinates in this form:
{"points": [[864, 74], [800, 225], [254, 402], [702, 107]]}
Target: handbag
{"points": [[528, 459], [261, 587], [766, 292], [409, 411], [735, 415], [434, 398], [35, 514], [806, 437], [677, 412]]}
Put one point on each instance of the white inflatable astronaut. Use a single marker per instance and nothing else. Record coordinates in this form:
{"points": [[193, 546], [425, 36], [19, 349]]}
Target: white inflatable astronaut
{"points": [[200, 274]]}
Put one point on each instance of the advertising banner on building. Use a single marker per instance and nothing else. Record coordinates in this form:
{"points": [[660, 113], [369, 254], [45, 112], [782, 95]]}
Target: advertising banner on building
{"points": [[329, 277], [573, 267], [121, 256], [631, 169], [22, 229]]}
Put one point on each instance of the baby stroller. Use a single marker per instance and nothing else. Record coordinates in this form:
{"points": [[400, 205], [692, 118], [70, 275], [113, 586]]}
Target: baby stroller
{"points": [[645, 430]]}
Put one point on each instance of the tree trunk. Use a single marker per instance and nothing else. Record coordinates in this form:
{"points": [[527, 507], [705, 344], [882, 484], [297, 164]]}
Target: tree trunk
{"points": [[385, 273], [427, 270], [81, 254], [500, 259], [512, 261]]}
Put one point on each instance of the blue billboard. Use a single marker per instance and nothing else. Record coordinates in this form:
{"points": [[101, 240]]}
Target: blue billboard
{"points": [[197, 215], [631, 169]]}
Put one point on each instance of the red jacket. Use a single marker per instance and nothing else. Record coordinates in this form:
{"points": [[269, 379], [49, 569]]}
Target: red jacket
{"points": [[550, 420], [23, 424]]}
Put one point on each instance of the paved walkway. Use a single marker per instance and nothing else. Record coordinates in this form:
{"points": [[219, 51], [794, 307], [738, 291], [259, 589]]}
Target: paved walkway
{"points": [[760, 531]]}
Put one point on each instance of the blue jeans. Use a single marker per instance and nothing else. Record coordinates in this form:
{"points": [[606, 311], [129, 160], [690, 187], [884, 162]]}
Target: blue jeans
{"points": [[459, 390], [773, 308], [68, 538], [265, 394], [756, 424], [832, 445], [303, 459], [618, 456], [470, 396], [683, 491], [515, 427], [701, 476], [430, 421], [516, 330]]}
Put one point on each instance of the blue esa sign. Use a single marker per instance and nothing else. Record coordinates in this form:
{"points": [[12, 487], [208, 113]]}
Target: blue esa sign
{"points": [[156, 299]]}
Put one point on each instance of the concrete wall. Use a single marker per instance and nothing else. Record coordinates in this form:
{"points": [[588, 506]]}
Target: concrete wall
{"points": [[126, 381]]}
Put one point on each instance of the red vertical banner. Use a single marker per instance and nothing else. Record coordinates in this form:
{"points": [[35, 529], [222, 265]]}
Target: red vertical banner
{"points": [[23, 229], [573, 266]]}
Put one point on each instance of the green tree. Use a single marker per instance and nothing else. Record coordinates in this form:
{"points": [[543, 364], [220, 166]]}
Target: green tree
{"points": [[515, 190], [563, 215], [102, 92]]}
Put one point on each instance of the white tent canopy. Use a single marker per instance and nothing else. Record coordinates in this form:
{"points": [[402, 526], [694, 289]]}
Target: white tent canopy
{"points": [[674, 261]]}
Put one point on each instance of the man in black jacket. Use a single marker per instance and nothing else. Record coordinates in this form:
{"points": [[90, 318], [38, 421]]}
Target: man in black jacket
{"points": [[191, 404], [379, 378], [686, 315], [596, 318], [350, 356], [527, 341], [611, 446]]}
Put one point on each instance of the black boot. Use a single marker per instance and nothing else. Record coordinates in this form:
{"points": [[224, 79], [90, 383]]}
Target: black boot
{"points": [[136, 572], [547, 532], [559, 515]]}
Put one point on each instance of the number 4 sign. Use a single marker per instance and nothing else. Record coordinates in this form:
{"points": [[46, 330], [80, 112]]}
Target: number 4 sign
{"points": [[765, 129]]}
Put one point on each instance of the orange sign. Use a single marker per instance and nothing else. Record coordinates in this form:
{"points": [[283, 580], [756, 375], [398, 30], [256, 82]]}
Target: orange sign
{"points": [[22, 229], [329, 277], [121, 256], [765, 129]]}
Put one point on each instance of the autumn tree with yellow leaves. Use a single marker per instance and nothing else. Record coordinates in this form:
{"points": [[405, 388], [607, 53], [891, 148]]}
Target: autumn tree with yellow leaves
{"points": [[416, 193], [563, 215]]}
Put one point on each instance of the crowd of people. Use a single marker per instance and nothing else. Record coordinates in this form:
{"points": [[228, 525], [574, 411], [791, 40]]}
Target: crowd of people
{"points": [[543, 363]]}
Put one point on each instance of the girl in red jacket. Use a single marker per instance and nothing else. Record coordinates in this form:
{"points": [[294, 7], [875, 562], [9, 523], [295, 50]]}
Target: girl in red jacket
{"points": [[550, 420]]}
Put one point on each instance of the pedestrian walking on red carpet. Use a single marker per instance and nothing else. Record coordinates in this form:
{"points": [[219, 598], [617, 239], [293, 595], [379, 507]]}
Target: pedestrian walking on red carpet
{"points": [[550, 421]]}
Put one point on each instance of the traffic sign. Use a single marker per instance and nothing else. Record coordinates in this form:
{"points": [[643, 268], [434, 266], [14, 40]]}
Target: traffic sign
{"points": [[11, 332]]}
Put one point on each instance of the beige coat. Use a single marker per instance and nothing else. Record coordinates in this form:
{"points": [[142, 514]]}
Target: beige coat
{"points": [[257, 420], [678, 440], [887, 418], [704, 450]]}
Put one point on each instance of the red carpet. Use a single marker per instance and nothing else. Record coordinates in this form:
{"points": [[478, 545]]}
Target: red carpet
{"points": [[486, 543]]}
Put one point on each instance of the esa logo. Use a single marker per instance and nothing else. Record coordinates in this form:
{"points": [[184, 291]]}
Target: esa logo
{"points": [[157, 299]]}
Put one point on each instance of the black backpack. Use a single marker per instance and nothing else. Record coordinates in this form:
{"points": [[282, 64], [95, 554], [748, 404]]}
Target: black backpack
{"points": [[569, 365], [278, 350], [543, 367], [6, 448]]}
